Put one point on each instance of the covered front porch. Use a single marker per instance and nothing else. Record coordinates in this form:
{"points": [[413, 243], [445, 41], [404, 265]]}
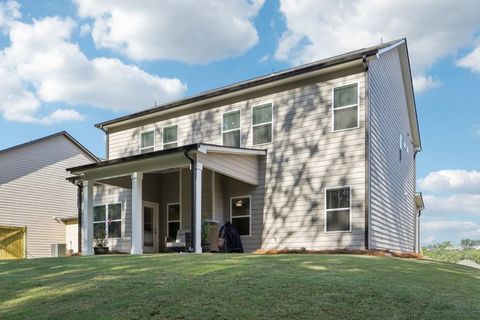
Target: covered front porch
{"points": [[145, 201]]}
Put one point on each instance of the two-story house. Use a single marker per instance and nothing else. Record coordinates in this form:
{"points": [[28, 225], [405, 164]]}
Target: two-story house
{"points": [[320, 156]]}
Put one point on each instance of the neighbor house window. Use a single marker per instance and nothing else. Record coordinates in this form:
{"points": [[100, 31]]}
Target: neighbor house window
{"points": [[338, 209], [147, 141], [240, 213], [170, 137], [345, 107], [107, 221], [262, 124], [231, 129], [173, 219]]}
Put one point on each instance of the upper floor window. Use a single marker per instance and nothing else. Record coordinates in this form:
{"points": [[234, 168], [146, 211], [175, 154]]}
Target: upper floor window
{"points": [[107, 221], [338, 207], [170, 137], [345, 107], [231, 129], [262, 128], [147, 141]]}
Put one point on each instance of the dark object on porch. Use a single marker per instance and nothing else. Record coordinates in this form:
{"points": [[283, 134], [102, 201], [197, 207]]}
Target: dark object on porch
{"points": [[232, 242], [180, 244]]}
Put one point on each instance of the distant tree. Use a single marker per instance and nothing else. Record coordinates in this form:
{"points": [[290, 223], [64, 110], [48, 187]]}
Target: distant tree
{"points": [[469, 243]]}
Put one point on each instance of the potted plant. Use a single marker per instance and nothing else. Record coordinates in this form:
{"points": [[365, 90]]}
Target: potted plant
{"points": [[101, 242], [205, 234]]}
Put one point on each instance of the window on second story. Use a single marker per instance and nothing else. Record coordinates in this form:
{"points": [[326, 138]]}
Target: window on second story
{"points": [[170, 137], [262, 128], [231, 129], [147, 141], [345, 107]]}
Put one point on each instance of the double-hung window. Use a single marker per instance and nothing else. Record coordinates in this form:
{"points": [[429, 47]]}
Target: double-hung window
{"points": [[345, 107], [338, 209], [170, 137], [231, 129], [107, 221], [240, 213], [262, 128], [173, 219], [147, 141]]}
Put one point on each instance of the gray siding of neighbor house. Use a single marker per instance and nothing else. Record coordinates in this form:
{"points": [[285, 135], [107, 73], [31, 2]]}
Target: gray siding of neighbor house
{"points": [[392, 182], [33, 190], [305, 158]]}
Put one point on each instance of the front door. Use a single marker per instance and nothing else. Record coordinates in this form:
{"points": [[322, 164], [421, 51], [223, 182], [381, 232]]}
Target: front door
{"points": [[150, 221]]}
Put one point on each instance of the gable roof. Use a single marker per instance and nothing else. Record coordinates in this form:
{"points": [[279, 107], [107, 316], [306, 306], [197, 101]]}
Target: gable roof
{"points": [[61, 133], [243, 85]]}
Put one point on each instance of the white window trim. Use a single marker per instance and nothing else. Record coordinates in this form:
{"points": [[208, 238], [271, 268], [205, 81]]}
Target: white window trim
{"points": [[179, 216], [232, 130], [338, 209], [140, 140], [249, 216], [163, 135], [346, 107], [260, 124], [107, 214]]}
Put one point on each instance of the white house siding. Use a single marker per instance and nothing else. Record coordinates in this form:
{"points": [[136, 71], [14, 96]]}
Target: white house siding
{"points": [[304, 159], [33, 191], [392, 182]]}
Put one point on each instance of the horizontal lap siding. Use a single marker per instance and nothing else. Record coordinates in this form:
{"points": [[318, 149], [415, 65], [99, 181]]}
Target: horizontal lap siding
{"points": [[392, 185], [33, 191], [304, 159]]}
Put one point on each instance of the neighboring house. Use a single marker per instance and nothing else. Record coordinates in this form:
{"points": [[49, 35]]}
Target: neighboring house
{"points": [[320, 156], [35, 194]]}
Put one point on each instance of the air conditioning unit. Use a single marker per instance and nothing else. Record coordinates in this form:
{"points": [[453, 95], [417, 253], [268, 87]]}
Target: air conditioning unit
{"points": [[58, 250]]}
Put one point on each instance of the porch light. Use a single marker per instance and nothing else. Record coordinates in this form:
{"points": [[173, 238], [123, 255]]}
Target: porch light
{"points": [[239, 203]]}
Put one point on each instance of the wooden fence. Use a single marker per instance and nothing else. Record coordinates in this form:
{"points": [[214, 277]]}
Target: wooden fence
{"points": [[13, 242]]}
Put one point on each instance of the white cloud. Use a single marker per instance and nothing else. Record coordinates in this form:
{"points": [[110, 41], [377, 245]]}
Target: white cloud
{"points": [[318, 29], [43, 65], [423, 83], [190, 31], [9, 12], [471, 61], [456, 204], [447, 225], [462, 181]]}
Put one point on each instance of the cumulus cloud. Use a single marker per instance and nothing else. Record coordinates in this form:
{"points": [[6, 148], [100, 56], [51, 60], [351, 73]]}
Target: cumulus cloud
{"points": [[455, 230], [447, 225], [42, 65], [461, 181], [318, 29], [190, 31], [423, 83], [9, 12], [456, 204], [471, 61]]}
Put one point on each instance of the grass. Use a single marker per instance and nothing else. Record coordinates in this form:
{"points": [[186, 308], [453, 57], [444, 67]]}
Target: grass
{"points": [[453, 256], [216, 286]]}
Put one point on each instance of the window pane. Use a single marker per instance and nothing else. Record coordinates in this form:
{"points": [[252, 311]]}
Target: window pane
{"points": [[338, 220], [146, 150], [242, 225], [147, 226], [170, 134], [262, 134], [240, 207], [169, 145], [174, 212], [262, 114], [99, 213], [115, 229], [231, 120], [115, 211], [338, 198], [345, 118], [173, 228], [146, 139], [232, 139], [99, 230], [345, 96]]}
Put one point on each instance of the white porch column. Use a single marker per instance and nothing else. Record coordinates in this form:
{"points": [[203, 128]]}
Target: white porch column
{"points": [[87, 218], [137, 214], [198, 207]]}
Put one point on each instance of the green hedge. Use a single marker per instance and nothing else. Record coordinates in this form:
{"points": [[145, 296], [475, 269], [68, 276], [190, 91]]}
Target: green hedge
{"points": [[452, 256]]}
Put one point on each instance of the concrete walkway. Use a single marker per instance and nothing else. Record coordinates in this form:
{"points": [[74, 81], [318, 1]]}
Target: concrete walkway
{"points": [[469, 263]]}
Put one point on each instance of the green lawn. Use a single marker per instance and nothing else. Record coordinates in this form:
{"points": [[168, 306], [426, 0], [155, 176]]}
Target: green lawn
{"points": [[215, 286]]}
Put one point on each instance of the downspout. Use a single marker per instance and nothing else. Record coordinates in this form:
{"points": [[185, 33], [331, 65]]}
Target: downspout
{"points": [[79, 211], [193, 198], [367, 157]]}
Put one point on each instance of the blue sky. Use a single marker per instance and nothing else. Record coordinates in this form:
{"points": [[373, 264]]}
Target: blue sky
{"points": [[172, 49]]}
